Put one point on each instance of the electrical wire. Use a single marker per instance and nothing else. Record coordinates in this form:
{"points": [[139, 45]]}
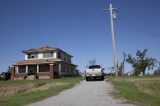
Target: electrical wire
{"points": [[139, 28]]}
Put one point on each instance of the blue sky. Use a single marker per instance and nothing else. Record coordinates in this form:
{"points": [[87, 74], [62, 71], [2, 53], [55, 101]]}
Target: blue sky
{"points": [[79, 27]]}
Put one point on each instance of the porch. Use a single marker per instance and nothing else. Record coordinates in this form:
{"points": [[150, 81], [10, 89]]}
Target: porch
{"points": [[42, 71], [39, 71]]}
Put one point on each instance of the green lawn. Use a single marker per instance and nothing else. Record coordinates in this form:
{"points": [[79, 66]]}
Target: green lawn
{"points": [[25, 97], [144, 91]]}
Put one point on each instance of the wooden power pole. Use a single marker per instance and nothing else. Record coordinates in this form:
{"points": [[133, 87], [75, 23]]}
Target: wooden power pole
{"points": [[112, 17]]}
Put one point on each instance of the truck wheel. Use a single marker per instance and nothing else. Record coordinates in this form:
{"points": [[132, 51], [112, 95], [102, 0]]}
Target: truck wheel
{"points": [[87, 79], [102, 78]]}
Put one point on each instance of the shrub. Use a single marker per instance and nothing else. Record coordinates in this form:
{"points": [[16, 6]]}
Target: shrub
{"points": [[157, 72]]}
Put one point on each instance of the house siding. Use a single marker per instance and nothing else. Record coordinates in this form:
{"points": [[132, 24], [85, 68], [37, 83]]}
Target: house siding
{"points": [[40, 55], [26, 57]]}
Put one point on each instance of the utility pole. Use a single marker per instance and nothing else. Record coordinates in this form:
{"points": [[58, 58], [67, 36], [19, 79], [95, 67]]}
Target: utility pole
{"points": [[112, 17]]}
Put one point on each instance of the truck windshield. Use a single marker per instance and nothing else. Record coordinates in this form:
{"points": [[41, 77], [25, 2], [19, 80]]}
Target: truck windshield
{"points": [[94, 66]]}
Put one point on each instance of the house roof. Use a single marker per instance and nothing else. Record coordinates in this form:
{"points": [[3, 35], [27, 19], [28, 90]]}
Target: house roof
{"points": [[44, 49], [39, 61], [40, 49]]}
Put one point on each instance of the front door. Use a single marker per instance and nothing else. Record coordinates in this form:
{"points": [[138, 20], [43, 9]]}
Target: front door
{"points": [[32, 70]]}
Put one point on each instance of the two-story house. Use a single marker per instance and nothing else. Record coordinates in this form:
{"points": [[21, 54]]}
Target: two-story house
{"points": [[43, 62]]}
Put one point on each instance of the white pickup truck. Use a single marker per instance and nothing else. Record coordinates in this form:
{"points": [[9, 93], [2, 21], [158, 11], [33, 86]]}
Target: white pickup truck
{"points": [[94, 72]]}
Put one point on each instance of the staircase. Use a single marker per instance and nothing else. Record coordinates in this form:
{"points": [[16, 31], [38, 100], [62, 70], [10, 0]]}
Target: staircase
{"points": [[31, 77]]}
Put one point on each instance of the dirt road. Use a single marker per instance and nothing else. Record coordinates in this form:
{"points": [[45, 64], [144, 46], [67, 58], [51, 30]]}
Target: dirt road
{"points": [[92, 93]]}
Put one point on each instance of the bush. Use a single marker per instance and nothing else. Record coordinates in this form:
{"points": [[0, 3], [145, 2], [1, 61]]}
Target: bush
{"points": [[1, 78], [5, 76], [157, 72]]}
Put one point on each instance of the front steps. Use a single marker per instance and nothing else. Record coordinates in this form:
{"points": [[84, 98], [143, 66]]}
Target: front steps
{"points": [[31, 77]]}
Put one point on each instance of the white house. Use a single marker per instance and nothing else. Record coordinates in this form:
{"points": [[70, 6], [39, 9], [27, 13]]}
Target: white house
{"points": [[44, 62]]}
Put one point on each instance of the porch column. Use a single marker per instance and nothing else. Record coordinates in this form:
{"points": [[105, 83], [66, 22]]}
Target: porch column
{"points": [[51, 71], [17, 69], [12, 72], [60, 70], [75, 71], [26, 69], [37, 68]]}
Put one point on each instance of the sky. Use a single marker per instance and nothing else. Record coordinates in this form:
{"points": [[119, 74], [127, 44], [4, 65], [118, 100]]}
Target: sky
{"points": [[79, 27]]}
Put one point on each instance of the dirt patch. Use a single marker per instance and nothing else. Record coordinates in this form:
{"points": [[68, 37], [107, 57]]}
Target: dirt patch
{"points": [[147, 85], [13, 89], [45, 87]]}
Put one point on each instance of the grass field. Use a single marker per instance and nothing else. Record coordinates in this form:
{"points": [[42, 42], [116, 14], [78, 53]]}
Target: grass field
{"points": [[144, 91], [20, 92]]}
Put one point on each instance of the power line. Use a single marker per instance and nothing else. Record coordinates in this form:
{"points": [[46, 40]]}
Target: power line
{"points": [[139, 28]]}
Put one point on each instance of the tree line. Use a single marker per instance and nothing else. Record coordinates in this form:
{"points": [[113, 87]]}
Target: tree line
{"points": [[140, 63]]}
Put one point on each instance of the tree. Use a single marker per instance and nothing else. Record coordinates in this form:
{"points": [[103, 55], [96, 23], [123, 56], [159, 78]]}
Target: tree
{"points": [[120, 69], [141, 62], [112, 72], [121, 66], [157, 71], [91, 62], [8, 70]]}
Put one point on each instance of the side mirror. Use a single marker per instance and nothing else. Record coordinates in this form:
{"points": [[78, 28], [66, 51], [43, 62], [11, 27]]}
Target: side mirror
{"points": [[103, 68]]}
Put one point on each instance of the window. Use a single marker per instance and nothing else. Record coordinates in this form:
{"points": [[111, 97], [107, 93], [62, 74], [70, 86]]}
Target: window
{"points": [[69, 59], [47, 54], [44, 68], [22, 69], [33, 55], [94, 66], [63, 68], [65, 58], [59, 55]]}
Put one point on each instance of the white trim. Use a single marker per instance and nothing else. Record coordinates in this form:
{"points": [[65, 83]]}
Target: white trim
{"points": [[40, 55], [60, 69], [55, 55], [11, 66], [75, 70], [37, 68], [26, 57], [26, 69], [17, 69]]}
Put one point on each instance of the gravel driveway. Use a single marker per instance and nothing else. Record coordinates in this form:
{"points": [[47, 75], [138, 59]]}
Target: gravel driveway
{"points": [[92, 93]]}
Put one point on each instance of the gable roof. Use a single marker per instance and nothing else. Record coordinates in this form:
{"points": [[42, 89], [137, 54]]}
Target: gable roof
{"points": [[44, 49], [40, 49]]}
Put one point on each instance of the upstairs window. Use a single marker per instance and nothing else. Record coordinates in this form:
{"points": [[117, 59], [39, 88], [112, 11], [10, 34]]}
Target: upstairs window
{"points": [[59, 55], [33, 55], [65, 58], [69, 59], [47, 54]]}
